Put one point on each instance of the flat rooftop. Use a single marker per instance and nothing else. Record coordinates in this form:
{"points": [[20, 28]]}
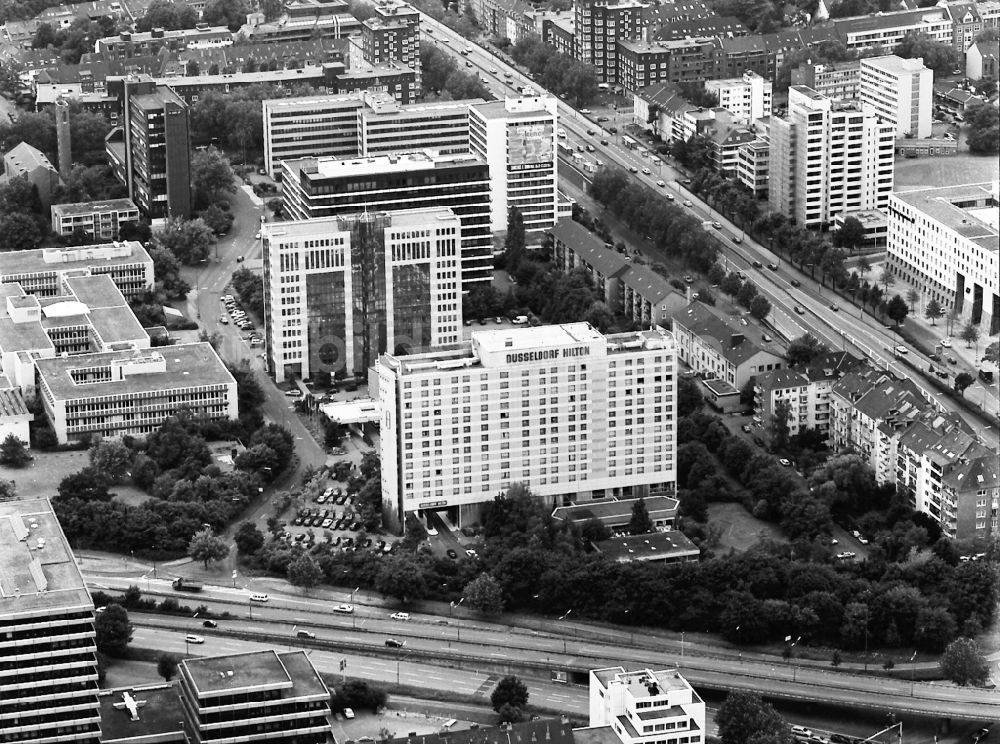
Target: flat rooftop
{"points": [[331, 167], [47, 260], [161, 716], [291, 672], [537, 336], [293, 229], [529, 107], [893, 64], [655, 546], [186, 366], [34, 579], [657, 506], [81, 208], [971, 210], [636, 681]]}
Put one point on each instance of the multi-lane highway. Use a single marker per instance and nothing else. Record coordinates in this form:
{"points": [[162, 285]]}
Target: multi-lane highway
{"points": [[477, 645], [839, 330]]}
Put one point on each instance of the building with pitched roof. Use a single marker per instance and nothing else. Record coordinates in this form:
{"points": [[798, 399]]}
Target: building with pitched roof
{"points": [[715, 347], [647, 297], [536, 731], [959, 226], [888, 29], [31, 164], [137, 44], [982, 61], [615, 514]]}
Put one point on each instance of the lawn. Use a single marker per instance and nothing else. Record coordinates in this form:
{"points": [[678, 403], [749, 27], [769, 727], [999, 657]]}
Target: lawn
{"points": [[46, 471], [916, 173], [740, 529]]}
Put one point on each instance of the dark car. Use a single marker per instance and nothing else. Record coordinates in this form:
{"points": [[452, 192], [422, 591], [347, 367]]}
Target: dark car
{"points": [[613, 130], [796, 283], [298, 521], [393, 643], [758, 441], [210, 624], [451, 553], [482, 321]]}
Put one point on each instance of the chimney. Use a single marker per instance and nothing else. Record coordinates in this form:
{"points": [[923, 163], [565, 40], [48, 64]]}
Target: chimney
{"points": [[62, 139]]}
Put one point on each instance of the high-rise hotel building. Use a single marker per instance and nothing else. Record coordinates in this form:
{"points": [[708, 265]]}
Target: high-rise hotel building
{"points": [[328, 187], [48, 653], [567, 411], [339, 291]]}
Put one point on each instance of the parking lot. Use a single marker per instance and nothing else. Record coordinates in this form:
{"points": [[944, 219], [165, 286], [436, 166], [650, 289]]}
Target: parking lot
{"points": [[238, 316]]}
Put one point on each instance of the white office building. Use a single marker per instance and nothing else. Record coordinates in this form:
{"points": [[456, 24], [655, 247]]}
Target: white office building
{"points": [[828, 157], [747, 98], [944, 242], [339, 291], [901, 91], [567, 411], [517, 139], [644, 707], [360, 124]]}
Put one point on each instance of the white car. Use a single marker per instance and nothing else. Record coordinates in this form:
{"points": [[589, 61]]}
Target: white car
{"points": [[785, 462], [661, 184], [431, 531], [344, 609], [348, 713], [400, 616], [846, 555], [257, 236], [946, 343], [191, 638], [687, 203], [902, 350], [646, 171]]}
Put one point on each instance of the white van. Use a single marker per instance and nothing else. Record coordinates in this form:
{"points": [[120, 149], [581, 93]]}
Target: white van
{"points": [[520, 320], [257, 597]]}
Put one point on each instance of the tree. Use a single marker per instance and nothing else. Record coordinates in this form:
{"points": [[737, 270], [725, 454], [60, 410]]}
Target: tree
{"points": [[113, 629], [940, 57], [89, 484], [166, 665], [804, 349], [218, 220], [399, 577], [211, 175], [304, 571], [231, 13], [111, 457], [933, 311], [167, 15], [983, 121], [513, 244], [14, 452], [780, 430], [509, 691], [87, 133], [963, 663], [189, 240], [970, 334], [205, 547], [484, 594], [19, 232], [760, 307], [640, 523], [248, 539], [744, 715], [509, 714], [897, 309], [962, 381], [689, 397], [850, 235]]}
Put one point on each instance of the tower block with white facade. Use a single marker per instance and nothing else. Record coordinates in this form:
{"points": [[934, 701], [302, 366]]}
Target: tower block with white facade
{"points": [[569, 412]]}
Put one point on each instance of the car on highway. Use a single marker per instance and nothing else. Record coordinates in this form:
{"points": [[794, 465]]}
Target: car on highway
{"points": [[604, 142], [772, 266], [785, 462], [494, 70], [210, 624], [796, 283], [799, 310], [737, 239], [603, 118], [757, 264], [400, 616], [900, 349], [661, 184], [393, 643], [585, 111], [946, 343], [591, 132], [613, 130], [344, 609], [508, 75], [192, 638], [717, 225], [646, 171], [835, 307], [259, 597], [688, 203], [305, 634], [952, 360], [633, 169]]}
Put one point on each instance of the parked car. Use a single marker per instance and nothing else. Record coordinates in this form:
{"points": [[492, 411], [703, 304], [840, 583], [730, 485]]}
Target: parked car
{"points": [[348, 713], [210, 624]]}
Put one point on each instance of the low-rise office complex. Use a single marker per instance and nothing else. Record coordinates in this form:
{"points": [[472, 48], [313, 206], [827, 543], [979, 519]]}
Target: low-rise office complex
{"points": [[41, 272], [133, 391], [327, 187], [259, 696], [946, 242], [339, 291], [99, 220], [48, 658], [567, 411]]}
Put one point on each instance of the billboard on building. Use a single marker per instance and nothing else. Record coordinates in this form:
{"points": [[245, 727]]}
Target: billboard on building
{"points": [[530, 144]]}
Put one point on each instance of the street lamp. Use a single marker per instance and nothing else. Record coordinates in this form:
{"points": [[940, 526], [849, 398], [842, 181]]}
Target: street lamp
{"points": [[682, 645]]}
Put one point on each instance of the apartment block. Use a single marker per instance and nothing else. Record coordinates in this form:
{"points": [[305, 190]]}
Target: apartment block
{"points": [[716, 349], [129, 44], [31, 164], [259, 696], [747, 98], [563, 409], [901, 91], [945, 241], [133, 391], [360, 124], [753, 166], [644, 706], [805, 391], [600, 25], [830, 79], [99, 220], [42, 272], [151, 152], [828, 157], [394, 78], [644, 63], [885, 30], [516, 138], [339, 291], [327, 187], [48, 658], [393, 35]]}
